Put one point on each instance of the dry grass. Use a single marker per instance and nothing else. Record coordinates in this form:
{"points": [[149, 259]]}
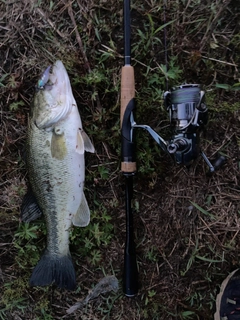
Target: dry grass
{"points": [[183, 253]]}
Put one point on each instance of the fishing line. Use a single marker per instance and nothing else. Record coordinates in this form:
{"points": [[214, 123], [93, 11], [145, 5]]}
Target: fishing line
{"points": [[165, 41]]}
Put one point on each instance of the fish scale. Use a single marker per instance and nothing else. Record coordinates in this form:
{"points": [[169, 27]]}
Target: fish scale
{"points": [[44, 176]]}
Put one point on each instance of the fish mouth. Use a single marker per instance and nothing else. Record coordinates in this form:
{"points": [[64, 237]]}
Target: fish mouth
{"points": [[59, 73], [54, 76]]}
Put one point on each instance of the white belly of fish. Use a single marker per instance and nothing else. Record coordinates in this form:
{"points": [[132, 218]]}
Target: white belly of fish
{"points": [[69, 184]]}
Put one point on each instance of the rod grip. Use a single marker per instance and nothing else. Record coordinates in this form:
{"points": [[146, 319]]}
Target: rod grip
{"points": [[127, 88], [128, 164]]}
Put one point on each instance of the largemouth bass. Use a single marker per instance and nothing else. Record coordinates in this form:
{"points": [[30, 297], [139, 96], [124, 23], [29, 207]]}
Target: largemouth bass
{"points": [[55, 159]]}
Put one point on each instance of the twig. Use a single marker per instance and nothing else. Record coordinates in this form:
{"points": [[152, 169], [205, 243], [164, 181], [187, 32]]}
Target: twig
{"points": [[212, 24], [212, 59], [41, 13], [78, 37], [226, 140]]}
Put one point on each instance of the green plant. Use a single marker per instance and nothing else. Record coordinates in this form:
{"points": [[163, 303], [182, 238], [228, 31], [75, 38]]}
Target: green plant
{"points": [[12, 297], [43, 307], [107, 305], [187, 315], [26, 231], [104, 172], [25, 242], [9, 306], [152, 254], [3, 77], [14, 106], [205, 212], [227, 87], [150, 295], [191, 259], [96, 235]]}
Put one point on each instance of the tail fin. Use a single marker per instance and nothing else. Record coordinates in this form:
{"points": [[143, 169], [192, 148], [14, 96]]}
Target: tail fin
{"points": [[54, 269]]}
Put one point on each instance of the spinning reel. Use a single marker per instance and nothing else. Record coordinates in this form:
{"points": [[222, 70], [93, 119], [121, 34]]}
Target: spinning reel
{"points": [[188, 114]]}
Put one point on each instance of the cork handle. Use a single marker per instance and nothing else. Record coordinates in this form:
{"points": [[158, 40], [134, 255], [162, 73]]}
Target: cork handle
{"points": [[127, 88], [127, 94]]}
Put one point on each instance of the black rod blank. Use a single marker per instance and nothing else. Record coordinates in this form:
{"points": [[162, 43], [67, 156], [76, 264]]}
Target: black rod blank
{"points": [[130, 274], [128, 163]]}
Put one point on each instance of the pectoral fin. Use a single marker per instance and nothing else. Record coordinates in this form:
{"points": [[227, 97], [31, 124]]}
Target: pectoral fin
{"points": [[82, 216], [80, 143], [29, 208], [88, 146]]}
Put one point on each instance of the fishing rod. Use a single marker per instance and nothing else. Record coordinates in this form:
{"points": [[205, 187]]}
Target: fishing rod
{"points": [[128, 161], [188, 115]]}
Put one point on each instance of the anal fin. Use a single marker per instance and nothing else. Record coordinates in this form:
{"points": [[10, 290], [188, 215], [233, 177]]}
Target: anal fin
{"points": [[82, 216]]}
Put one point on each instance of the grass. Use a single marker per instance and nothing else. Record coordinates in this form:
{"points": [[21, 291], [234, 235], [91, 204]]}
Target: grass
{"points": [[186, 222]]}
